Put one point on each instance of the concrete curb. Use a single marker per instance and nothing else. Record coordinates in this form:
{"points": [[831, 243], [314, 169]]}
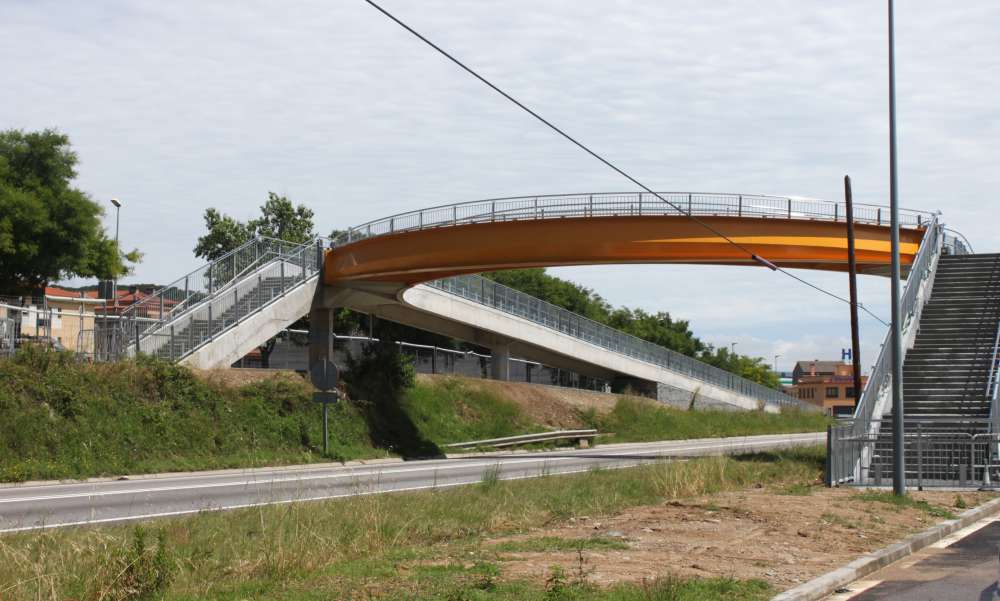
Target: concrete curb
{"points": [[828, 583]]}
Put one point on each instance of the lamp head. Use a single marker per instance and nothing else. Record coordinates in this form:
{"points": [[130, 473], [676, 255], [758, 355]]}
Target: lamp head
{"points": [[116, 202]]}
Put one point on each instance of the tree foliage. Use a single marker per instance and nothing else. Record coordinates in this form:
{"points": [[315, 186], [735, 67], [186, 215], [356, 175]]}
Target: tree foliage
{"points": [[659, 328], [278, 218], [49, 230]]}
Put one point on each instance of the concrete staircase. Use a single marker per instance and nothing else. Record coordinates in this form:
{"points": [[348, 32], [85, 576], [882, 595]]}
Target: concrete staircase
{"points": [[945, 374], [193, 332]]}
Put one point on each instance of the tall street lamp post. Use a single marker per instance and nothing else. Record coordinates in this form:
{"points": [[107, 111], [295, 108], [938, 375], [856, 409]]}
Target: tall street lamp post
{"points": [[898, 463], [118, 207]]}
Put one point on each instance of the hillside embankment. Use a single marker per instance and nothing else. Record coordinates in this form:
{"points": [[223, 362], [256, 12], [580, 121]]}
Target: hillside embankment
{"points": [[65, 419]]}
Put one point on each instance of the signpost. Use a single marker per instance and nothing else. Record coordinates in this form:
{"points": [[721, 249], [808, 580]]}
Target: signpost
{"points": [[324, 376]]}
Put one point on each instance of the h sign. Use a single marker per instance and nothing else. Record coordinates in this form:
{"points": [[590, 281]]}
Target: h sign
{"points": [[846, 354]]}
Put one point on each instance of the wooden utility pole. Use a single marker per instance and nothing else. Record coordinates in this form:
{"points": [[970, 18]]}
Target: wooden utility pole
{"points": [[852, 265]]}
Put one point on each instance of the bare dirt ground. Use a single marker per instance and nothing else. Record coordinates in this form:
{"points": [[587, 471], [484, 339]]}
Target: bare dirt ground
{"points": [[783, 539], [551, 406], [232, 377]]}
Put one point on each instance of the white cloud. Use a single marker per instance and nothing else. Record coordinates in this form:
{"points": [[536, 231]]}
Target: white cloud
{"points": [[182, 105]]}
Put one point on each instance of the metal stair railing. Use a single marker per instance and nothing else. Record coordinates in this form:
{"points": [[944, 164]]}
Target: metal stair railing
{"points": [[880, 376], [481, 290], [215, 297], [626, 204], [993, 386], [853, 443]]}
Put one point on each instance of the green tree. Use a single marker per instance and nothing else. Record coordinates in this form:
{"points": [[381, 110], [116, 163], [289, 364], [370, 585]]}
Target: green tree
{"points": [[567, 295], [49, 230], [279, 218]]}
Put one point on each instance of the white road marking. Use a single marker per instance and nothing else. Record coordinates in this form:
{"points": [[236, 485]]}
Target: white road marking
{"points": [[960, 534], [362, 493], [351, 472], [619, 458]]}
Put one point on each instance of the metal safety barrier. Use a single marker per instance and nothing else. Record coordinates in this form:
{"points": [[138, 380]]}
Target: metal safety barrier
{"points": [[938, 453], [510, 441]]}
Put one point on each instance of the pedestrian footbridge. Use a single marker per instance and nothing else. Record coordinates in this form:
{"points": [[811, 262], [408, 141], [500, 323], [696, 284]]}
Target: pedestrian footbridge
{"points": [[418, 268]]}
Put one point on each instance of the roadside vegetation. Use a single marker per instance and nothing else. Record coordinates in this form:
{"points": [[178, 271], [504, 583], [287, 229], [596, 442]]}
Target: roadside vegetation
{"points": [[639, 420], [426, 545], [65, 419]]}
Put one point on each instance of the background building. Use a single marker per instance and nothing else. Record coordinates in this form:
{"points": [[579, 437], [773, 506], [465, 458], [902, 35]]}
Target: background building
{"points": [[827, 384]]}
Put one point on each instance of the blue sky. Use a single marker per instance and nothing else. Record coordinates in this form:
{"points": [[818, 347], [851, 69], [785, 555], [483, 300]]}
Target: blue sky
{"points": [[178, 106]]}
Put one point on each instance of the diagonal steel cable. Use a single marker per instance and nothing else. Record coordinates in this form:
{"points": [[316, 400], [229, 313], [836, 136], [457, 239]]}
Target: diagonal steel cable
{"points": [[585, 148]]}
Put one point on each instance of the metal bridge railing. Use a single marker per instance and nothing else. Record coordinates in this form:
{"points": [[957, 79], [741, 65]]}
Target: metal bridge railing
{"points": [[492, 294], [619, 204]]}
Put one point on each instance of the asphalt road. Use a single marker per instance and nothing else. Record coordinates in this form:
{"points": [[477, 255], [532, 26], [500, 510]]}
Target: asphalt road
{"points": [[50, 505], [962, 567]]}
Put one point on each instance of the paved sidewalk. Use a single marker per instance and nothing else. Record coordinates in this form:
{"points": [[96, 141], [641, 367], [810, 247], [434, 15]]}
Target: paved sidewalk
{"points": [[961, 567]]}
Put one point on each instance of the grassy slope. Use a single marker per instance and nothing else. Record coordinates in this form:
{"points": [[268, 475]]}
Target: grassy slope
{"points": [[67, 420], [426, 545], [637, 420]]}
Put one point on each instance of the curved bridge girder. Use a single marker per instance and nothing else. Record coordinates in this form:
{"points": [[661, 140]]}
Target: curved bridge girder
{"points": [[416, 256]]}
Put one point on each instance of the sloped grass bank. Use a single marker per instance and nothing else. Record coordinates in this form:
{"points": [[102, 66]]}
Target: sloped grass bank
{"points": [[425, 545], [639, 420], [64, 419]]}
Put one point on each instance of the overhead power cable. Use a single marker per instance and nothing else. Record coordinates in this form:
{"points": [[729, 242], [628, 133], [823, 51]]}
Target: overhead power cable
{"points": [[753, 256]]}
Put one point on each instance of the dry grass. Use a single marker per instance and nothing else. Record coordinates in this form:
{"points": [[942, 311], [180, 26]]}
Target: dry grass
{"points": [[309, 547]]}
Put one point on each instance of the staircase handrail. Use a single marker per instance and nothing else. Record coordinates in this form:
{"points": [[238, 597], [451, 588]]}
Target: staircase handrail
{"points": [[485, 291], [960, 244], [285, 248], [881, 369], [190, 290], [993, 384]]}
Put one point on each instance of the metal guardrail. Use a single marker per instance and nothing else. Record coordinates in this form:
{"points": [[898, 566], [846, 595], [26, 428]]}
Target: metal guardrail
{"points": [[939, 453], [492, 294], [620, 204], [510, 441]]}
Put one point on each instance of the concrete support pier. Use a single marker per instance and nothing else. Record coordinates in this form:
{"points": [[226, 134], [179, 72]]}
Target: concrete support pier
{"points": [[500, 363], [320, 334]]}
